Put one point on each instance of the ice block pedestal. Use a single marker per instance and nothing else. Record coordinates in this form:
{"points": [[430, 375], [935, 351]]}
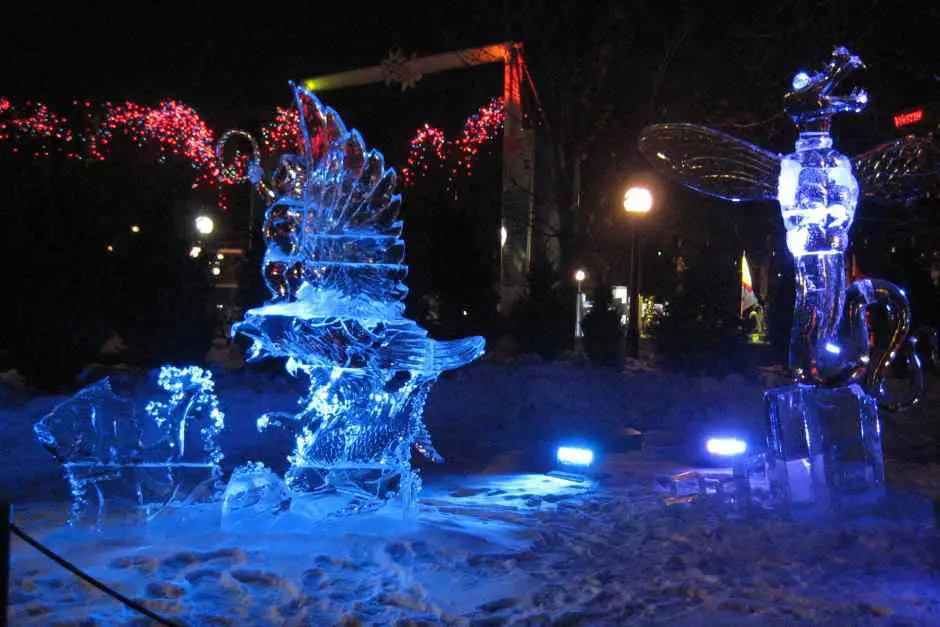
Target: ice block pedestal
{"points": [[824, 448]]}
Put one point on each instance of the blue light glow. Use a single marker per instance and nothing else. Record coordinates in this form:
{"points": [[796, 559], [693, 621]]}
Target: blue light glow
{"points": [[801, 80], [574, 456], [726, 447], [833, 348]]}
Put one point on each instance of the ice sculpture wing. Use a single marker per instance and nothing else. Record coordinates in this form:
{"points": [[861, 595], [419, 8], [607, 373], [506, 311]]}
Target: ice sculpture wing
{"points": [[901, 171], [711, 162], [336, 223]]}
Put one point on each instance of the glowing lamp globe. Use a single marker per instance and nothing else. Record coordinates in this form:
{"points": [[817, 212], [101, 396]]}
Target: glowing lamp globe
{"points": [[579, 276], [205, 225], [638, 200]]}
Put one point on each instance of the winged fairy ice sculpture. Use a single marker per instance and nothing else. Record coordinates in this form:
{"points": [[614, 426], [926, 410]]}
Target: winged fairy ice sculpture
{"points": [[835, 360], [334, 264]]}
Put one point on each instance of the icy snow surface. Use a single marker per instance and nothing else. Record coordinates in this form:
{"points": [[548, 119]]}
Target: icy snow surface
{"points": [[497, 542]]}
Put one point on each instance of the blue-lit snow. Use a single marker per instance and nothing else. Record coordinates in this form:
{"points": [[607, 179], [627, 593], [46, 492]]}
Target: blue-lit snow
{"points": [[495, 540]]}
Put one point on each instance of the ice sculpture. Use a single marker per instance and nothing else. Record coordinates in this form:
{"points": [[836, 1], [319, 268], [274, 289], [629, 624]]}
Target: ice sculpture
{"points": [[253, 498], [120, 451], [824, 434], [334, 264]]}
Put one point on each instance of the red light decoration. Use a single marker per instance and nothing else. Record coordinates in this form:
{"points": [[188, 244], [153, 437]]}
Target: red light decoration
{"points": [[429, 144], [175, 129], [282, 134], [479, 129], [909, 117], [38, 123]]}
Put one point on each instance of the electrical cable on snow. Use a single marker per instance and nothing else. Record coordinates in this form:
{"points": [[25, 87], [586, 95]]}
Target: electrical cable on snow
{"points": [[75, 570]]}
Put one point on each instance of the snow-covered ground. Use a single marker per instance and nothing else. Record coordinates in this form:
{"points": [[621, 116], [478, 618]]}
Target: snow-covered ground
{"points": [[497, 541]]}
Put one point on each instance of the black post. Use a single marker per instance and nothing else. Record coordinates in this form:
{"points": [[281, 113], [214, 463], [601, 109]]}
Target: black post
{"points": [[6, 511], [633, 326]]}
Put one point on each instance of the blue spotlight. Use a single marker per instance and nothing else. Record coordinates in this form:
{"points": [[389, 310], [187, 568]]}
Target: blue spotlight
{"points": [[726, 447], [574, 456]]}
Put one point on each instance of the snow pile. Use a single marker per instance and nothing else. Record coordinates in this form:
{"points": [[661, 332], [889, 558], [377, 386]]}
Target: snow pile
{"points": [[530, 550], [496, 546]]}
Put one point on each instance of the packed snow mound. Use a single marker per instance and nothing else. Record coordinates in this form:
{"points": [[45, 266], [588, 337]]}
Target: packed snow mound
{"points": [[503, 545]]}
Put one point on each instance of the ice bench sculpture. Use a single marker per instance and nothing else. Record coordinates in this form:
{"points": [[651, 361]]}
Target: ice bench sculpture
{"points": [[130, 452], [334, 264]]}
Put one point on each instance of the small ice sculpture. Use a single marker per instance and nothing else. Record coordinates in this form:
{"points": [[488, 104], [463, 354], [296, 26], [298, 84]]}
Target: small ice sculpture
{"points": [[836, 359], [334, 264], [114, 450], [253, 499]]}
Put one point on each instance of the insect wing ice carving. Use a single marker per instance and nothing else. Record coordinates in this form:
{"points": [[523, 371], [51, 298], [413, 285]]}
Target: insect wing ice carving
{"points": [[818, 190]]}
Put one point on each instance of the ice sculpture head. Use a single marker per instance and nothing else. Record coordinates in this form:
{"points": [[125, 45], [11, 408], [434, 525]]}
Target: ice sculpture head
{"points": [[817, 191], [811, 103]]}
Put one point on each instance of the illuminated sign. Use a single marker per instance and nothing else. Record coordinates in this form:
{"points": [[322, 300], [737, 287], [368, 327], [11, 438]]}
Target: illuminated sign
{"points": [[909, 117]]}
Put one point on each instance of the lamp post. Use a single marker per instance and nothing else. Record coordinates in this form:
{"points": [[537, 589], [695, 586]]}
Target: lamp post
{"points": [[579, 277], [637, 200], [205, 225]]}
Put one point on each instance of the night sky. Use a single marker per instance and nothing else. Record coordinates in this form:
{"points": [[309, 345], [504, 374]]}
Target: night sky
{"points": [[603, 70], [232, 65]]}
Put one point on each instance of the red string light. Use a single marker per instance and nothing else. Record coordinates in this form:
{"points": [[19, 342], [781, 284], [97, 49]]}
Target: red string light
{"points": [[176, 130], [429, 144], [42, 126], [479, 129], [282, 134]]}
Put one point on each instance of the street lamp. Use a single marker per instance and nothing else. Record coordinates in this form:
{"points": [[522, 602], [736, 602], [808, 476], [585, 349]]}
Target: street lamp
{"points": [[637, 200], [579, 277], [205, 225]]}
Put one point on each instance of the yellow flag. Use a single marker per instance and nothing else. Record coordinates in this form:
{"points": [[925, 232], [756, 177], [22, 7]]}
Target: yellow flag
{"points": [[748, 298]]}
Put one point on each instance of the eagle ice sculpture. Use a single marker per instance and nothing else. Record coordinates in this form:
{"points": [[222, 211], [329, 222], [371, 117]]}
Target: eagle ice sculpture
{"points": [[334, 263]]}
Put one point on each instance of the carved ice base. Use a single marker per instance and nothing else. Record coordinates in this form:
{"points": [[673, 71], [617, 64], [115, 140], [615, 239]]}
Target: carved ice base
{"points": [[342, 490], [135, 492], [824, 449]]}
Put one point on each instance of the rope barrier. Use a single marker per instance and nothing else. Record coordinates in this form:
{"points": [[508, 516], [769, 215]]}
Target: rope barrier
{"points": [[75, 570]]}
